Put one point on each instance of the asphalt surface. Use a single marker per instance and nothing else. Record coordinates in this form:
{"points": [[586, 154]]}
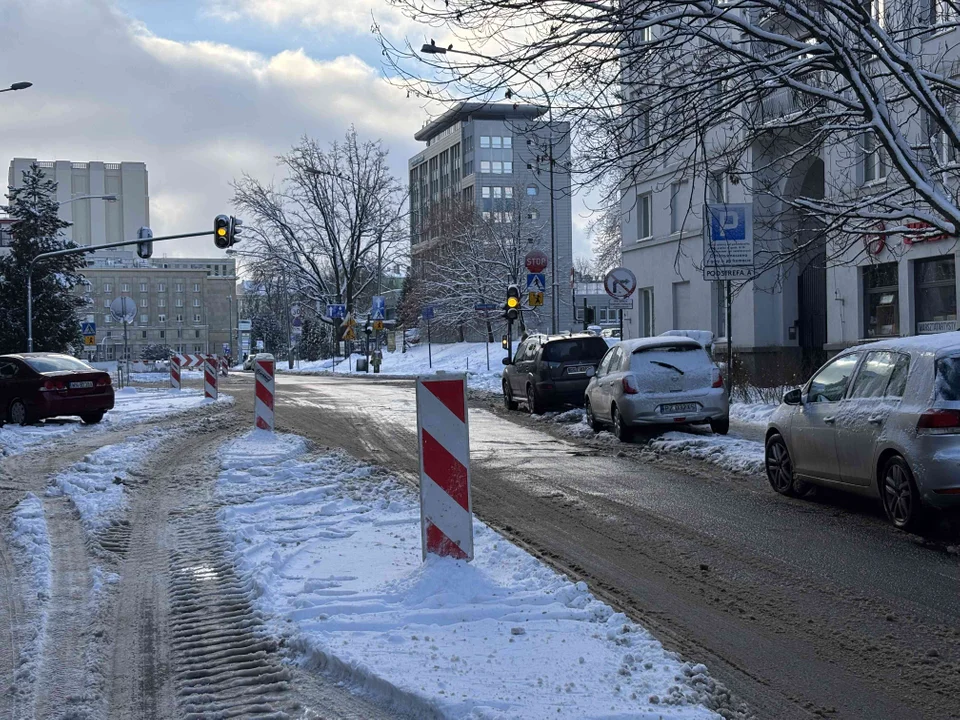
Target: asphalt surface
{"points": [[801, 608]]}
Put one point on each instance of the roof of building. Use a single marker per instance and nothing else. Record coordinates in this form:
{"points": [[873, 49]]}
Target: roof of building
{"points": [[493, 111]]}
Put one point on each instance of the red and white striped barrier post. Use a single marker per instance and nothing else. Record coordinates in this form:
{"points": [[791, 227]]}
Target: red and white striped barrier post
{"points": [[446, 512], [175, 372], [210, 370], [224, 366], [263, 370]]}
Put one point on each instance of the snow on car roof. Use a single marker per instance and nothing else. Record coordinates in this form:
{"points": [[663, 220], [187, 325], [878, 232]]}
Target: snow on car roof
{"points": [[939, 343], [631, 346]]}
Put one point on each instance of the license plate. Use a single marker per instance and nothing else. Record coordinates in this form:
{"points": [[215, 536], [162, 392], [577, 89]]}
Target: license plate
{"points": [[576, 370], [679, 408], [81, 384]]}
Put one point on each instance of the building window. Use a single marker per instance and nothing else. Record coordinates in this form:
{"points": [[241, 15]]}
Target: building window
{"points": [[643, 217], [125, 287], [533, 215], [498, 193], [163, 334], [645, 296], [507, 143], [106, 287], [106, 302], [108, 318], [716, 187], [485, 192], [881, 300], [179, 333], [196, 333], [179, 287], [143, 287], [161, 318], [196, 287], [484, 141], [507, 167], [508, 193], [162, 287], [196, 318], [641, 126], [486, 216], [496, 142], [936, 295], [198, 348], [484, 166], [497, 167], [179, 318], [162, 302], [144, 319], [144, 302], [196, 302], [143, 334], [676, 210], [941, 11], [532, 190], [179, 302], [874, 159]]}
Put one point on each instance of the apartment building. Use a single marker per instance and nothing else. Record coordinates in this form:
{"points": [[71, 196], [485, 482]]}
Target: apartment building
{"points": [[495, 158], [800, 312], [187, 304]]}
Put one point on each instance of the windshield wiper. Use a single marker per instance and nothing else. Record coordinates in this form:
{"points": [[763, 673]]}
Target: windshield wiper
{"points": [[667, 365]]}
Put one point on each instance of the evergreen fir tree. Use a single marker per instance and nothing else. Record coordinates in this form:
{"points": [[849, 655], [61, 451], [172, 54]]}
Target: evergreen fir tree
{"points": [[56, 309]]}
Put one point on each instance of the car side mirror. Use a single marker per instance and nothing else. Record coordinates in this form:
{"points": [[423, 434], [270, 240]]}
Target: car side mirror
{"points": [[591, 371], [793, 397], [506, 361]]}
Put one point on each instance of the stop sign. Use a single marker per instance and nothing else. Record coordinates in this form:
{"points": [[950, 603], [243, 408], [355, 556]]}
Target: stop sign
{"points": [[536, 261]]}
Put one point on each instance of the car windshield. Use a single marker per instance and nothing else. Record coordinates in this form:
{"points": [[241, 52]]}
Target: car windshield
{"points": [[587, 350], [56, 363], [948, 379]]}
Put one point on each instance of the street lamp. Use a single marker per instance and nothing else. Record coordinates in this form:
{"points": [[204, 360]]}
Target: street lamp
{"points": [[432, 48], [18, 86], [109, 198]]}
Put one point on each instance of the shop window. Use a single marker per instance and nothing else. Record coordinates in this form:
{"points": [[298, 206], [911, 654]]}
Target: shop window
{"points": [[881, 301], [936, 295]]}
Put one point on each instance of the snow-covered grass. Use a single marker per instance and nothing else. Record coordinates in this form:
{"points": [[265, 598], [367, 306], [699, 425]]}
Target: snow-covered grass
{"points": [[95, 485], [468, 357], [132, 405], [331, 548], [31, 544], [752, 413]]}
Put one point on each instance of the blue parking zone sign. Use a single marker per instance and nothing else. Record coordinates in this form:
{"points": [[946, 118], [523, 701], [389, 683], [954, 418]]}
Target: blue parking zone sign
{"points": [[728, 223], [728, 242]]}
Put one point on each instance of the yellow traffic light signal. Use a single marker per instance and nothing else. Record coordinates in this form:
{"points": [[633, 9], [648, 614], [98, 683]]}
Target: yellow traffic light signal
{"points": [[513, 302], [511, 307], [221, 231]]}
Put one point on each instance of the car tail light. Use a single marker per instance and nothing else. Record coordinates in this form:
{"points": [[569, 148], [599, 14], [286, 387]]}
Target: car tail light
{"points": [[103, 381], [630, 386], [939, 422], [718, 380], [51, 385]]}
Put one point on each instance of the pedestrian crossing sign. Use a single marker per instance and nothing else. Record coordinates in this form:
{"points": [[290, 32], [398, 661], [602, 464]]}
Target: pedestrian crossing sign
{"points": [[535, 299]]}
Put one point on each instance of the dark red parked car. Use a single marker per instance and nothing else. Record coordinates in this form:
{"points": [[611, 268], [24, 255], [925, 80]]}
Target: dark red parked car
{"points": [[34, 386]]}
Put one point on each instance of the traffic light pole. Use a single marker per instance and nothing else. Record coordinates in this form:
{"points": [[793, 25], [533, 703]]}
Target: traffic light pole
{"points": [[80, 251]]}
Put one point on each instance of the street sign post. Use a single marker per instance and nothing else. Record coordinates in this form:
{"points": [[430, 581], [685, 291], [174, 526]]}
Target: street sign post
{"points": [[378, 308], [89, 332], [428, 316], [337, 312], [536, 282], [728, 255], [124, 309], [620, 283]]}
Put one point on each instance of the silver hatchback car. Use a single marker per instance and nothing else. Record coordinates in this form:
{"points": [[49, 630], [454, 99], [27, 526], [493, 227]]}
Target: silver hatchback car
{"points": [[656, 381], [882, 420]]}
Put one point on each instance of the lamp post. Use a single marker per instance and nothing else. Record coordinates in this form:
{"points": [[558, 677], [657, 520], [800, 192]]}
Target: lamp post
{"points": [[17, 86], [432, 48]]}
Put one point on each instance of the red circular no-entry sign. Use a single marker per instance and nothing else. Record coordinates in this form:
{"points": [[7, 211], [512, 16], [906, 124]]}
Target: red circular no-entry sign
{"points": [[536, 261]]}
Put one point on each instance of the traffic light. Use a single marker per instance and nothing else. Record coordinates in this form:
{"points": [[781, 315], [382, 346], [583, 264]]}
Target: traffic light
{"points": [[511, 308], [235, 228], [145, 249], [221, 231]]}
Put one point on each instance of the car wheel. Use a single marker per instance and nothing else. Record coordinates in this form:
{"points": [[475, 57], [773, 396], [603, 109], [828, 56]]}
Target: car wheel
{"points": [[508, 402], [592, 421], [721, 426], [779, 466], [533, 403], [18, 413], [901, 500], [620, 428], [92, 418]]}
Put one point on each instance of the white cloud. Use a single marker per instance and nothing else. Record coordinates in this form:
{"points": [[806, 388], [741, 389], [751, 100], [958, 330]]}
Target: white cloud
{"points": [[198, 114], [352, 15]]}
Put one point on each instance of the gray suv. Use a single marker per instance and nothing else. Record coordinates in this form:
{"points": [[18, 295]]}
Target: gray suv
{"points": [[881, 420]]}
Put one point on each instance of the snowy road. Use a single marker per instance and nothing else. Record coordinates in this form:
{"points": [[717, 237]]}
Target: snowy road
{"points": [[803, 608]]}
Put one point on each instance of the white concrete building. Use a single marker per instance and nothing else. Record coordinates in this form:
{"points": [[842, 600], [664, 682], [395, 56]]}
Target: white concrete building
{"points": [[95, 221], [807, 309]]}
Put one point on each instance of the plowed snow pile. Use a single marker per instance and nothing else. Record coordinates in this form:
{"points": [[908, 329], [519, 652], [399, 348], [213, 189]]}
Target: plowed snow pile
{"points": [[331, 550]]}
